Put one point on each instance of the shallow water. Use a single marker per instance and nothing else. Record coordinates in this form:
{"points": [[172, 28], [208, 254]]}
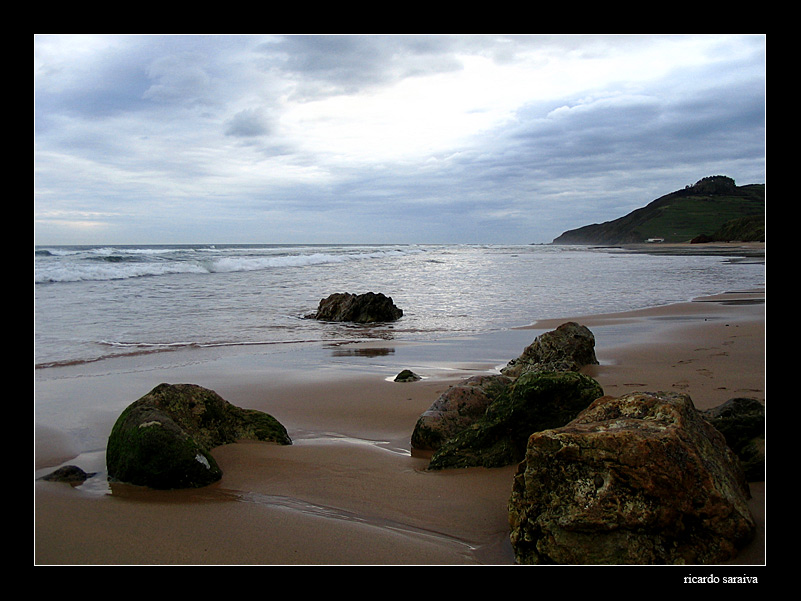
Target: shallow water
{"points": [[92, 303]]}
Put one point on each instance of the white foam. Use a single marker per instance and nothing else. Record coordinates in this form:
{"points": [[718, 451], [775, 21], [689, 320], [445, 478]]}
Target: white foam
{"points": [[89, 265]]}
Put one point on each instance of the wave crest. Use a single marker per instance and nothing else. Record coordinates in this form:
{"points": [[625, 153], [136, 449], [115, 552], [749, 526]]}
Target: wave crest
{"points": [[102, 264]]}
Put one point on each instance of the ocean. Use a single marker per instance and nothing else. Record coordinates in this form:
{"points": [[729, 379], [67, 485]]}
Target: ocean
{"points": [[95, 303]]}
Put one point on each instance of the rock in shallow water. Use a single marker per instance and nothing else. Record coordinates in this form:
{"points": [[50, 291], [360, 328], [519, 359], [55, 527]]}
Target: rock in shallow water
{"points": [[357, 308]]}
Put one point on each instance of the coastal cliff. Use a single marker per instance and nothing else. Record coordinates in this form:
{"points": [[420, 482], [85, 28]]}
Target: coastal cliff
{"points": [[714, 209]]}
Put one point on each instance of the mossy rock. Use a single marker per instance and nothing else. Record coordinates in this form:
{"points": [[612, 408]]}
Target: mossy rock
{"points": [[148, 448], [741, 420], [536, 401], [407, 375], [639, 479], [457, 408], [163, 440]]}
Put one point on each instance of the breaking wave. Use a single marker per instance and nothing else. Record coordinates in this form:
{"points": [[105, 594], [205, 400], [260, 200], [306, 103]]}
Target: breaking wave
{"points": [[81, 264]]}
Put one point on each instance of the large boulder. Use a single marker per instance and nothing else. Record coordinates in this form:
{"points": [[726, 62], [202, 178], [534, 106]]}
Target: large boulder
{"points": [[357, 308], [457, 408], [163, 440], [741, 420], [569, 347], [535, 401], [639, 479]]}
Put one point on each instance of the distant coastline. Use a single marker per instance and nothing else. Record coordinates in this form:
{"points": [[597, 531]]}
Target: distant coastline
{"points": [[738, 249]]}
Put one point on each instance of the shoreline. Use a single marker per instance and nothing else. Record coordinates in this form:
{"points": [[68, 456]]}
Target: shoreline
{"points": [[754, 250], [348, 491]]}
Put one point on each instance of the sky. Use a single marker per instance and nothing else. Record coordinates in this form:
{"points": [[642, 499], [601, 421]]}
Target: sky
{"points": [[381, 139]]}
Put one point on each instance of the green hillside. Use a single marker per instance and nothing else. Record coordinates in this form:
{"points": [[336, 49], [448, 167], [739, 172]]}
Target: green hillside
{"points": [[712, 209]]}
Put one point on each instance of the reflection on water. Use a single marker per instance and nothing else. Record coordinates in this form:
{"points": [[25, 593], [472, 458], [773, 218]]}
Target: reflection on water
{"points": [[159, 299], [338, 351]]}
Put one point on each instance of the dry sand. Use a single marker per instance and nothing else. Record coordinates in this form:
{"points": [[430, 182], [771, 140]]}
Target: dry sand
{"points": [[348, 491]]}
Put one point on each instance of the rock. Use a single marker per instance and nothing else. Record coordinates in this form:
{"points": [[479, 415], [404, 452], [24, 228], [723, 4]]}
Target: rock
{"points": [[535, 401], [455, 409], [71, 474], [567, 348], [163, 439], [742, 423], [407, 375], [639, 479], [357, 308], [486, 420]]}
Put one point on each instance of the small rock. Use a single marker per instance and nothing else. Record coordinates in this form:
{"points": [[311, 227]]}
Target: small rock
{"points": [[70, 474], [407, 375]]}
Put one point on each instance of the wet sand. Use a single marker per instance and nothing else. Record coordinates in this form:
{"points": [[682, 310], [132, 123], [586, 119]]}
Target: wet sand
{"points": [[348, 491]]}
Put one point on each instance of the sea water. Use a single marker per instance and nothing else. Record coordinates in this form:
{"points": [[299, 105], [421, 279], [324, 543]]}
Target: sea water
{"points": [[93, 303]]}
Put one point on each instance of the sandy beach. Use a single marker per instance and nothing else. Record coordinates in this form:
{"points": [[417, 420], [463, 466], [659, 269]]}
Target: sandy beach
{"points": [[349, 491]]}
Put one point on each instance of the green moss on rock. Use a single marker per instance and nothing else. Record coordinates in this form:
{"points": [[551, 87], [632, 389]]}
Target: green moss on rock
{"points": [[536, 401], [146, 447], [163, 439]]}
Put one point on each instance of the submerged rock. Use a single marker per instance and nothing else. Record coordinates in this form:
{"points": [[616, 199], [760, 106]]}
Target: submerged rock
{"points": [[535, 401], [639, 479], [357, 308], [163, 439], [569, 347]]}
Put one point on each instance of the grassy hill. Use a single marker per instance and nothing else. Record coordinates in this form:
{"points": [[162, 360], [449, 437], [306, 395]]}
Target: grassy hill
{"points": [[713, 209]]}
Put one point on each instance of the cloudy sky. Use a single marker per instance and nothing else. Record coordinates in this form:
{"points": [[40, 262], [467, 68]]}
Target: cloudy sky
{"points": [[381, 139]]}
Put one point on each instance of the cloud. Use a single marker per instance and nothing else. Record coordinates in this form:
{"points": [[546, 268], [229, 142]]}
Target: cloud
{"points": [[177, 78], [247, 123], [381, 138], [326, 65]]}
